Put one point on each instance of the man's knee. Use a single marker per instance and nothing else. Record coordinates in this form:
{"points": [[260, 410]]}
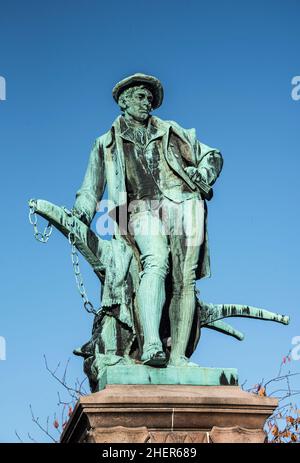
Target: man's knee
{"points": [[156, 262], [184, 283]]}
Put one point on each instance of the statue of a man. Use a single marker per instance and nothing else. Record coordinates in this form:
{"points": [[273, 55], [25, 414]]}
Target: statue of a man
{"points": [[161, 174]]}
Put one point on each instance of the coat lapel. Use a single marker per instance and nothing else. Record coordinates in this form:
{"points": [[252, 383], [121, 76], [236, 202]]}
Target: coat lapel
{"points": [[169, 156], [115, 166]]}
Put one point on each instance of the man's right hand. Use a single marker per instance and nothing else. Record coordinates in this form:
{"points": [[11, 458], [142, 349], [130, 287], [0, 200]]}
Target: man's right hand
{"points": [[193, 173], [80, 215], [203, 186]]}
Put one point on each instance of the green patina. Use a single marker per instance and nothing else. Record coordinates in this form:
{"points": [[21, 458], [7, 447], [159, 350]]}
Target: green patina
{"points": [[142, 374]]}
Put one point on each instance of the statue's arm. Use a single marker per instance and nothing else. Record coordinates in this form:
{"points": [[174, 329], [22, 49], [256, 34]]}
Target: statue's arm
{"points": [[93, 185], [208, 162]]}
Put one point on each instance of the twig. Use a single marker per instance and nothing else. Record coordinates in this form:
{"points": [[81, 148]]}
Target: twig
{"points": [[22, 442], [36, 421], [280, 378], [74, 393], [31, 438]]}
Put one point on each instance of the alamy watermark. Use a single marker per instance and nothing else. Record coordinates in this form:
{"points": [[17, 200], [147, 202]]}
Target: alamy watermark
{"points": [[2, 89], [295, 352], [154, 217], [295, 94], [2, 348]]}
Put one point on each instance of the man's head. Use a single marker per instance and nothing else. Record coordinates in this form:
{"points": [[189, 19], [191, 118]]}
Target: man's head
{"points": [[136, 102], [137, 95]]}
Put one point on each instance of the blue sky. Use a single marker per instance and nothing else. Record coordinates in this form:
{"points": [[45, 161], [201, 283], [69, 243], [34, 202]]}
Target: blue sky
{"points": [[226, 67]]}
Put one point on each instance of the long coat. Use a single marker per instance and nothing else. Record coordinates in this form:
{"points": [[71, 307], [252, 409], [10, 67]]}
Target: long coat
{"points": [[106, 166]]}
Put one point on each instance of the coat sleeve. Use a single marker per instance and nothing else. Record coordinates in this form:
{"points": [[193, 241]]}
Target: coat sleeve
{"points": [[209, 162], [93, 185]]}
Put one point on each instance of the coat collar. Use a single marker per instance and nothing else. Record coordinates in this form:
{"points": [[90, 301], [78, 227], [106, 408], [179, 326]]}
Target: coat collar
{"points": [[157, 127]]}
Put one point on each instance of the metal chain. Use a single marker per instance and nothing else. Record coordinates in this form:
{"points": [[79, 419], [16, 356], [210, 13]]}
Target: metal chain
{"points": [[44, 236], [78, 276]]}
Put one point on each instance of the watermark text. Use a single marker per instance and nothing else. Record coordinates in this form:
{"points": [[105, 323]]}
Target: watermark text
{"points": [[2, 89], [295, 352], [153, 218], [295, 94], [2, 348]]}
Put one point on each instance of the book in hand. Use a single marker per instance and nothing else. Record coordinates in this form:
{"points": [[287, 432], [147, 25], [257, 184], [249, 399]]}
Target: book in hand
{"points": [[204, 189]]}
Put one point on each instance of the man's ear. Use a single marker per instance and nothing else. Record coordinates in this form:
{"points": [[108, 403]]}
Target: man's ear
{"points": [[122, 103]]}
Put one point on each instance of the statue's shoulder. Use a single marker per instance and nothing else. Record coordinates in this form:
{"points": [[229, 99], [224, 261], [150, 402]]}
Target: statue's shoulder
{"points": [[108, 137], [187, 134], [103, 140]]}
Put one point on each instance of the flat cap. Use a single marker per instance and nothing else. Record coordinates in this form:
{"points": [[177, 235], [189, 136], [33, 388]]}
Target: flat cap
{"points": [[150, 82]]}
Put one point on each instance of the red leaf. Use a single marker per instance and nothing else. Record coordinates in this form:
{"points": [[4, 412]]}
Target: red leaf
{"points": [[56, 424]]}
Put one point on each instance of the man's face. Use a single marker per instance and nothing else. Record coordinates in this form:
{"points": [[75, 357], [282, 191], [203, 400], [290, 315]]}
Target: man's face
{"points": [[139, 104]]}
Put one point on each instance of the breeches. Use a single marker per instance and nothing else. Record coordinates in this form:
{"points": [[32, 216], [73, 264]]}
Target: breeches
{"points": [[169, 232]]}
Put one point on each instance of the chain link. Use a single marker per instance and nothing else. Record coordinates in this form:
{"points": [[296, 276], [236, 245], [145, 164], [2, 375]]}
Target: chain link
{"points": [[88, 306], [44, 236]]}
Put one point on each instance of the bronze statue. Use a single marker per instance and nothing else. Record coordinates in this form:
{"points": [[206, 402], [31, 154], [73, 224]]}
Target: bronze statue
{"points": [[159, 178]]}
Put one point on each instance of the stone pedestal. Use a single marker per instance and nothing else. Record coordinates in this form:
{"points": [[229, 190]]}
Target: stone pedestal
{"points": [[169, 414]]}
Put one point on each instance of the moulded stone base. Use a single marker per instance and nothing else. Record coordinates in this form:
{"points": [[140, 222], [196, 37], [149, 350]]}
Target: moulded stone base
{"points": [[169, 413]]}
